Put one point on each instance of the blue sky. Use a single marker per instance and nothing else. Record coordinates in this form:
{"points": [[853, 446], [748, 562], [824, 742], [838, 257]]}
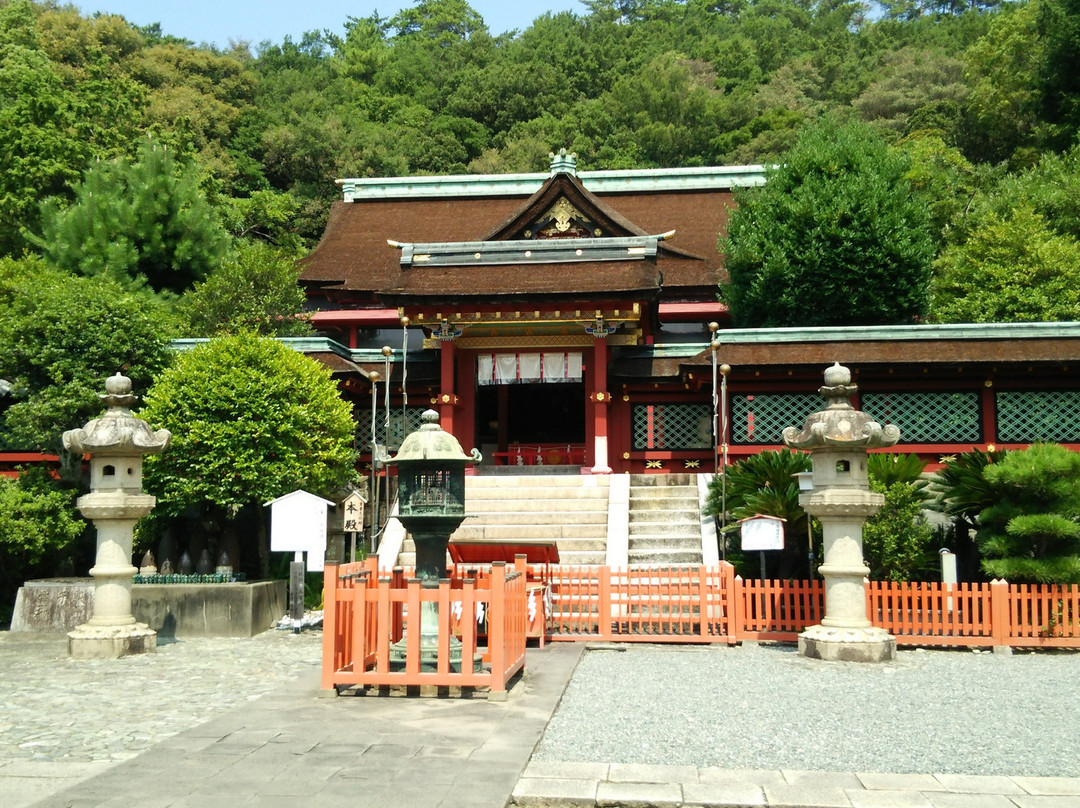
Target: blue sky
{"points": [[218, 22]]}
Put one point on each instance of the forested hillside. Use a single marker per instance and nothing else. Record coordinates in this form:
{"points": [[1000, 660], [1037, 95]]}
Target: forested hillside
{"points": [[974, 90]]}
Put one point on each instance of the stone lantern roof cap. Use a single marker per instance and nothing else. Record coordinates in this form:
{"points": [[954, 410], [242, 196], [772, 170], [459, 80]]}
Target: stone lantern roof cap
{"points": [[118, 431], [840, 425], [432, 443]]}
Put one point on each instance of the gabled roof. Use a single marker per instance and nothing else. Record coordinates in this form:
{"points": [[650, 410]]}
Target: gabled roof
{"points": [[354, 257]]}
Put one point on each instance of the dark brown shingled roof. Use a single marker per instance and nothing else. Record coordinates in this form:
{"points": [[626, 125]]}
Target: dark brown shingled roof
{"points": [[353, 254]]}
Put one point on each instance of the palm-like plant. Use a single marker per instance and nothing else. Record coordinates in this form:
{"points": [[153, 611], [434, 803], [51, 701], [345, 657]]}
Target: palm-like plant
{"points": [[764, 485], [960, 490]]}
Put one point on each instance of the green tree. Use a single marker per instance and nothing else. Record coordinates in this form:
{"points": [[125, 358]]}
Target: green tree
{"points": [[255, 290], [1031, 533], [836, 222], [1002, 72], [38, 155], [1011, 269], [37, 521], [137, 222], [60, 337], [898, 539], [251, 420], [1058, 24]]}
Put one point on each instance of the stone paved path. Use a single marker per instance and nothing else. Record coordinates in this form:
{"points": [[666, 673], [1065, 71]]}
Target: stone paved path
{"points": [[65, 720]]}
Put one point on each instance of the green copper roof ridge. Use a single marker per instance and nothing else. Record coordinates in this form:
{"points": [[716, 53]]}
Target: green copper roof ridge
{"points": [[888, 333], [607, 181], [536, 245]]}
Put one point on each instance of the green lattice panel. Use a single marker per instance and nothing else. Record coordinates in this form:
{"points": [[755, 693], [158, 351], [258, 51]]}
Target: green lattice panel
{"points": [[1023, 417], [672, 426], [928, 417], [762, 418], [413, 422]]}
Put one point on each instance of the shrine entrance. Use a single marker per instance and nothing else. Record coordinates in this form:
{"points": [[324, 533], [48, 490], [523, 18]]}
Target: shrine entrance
{"points": [[532, 424]]}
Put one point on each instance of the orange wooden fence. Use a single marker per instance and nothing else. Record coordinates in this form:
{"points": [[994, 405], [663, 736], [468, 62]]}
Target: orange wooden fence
{"points": [[658, 604], [363, 615]]}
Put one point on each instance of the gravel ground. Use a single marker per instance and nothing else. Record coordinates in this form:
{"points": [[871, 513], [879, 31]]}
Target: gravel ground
{"points": [[951, 712]]}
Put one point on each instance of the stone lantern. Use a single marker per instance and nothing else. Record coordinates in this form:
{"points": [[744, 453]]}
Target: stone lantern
{"points": [[116, 443], [431, 506], [838, 438], [431, 492]]}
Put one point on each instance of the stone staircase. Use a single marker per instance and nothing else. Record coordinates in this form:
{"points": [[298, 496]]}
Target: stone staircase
{"points": [[665, 520], [570, 509]]}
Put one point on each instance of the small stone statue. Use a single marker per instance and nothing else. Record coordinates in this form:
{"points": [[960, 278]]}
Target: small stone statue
{"points": [[204, 567], [167, 568], [186, 567], [148, 565], [224, 564]]}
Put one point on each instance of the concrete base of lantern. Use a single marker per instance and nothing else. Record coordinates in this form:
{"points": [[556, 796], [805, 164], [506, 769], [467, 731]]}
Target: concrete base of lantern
{"points": [[847, 644], [111, 642]]}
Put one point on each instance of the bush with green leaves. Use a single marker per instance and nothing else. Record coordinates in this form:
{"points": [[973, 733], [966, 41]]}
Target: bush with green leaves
{"points": [[254, 290], [1031, 533], [251, 420], [1023, 507], [61, 336], [837, 222], [898, 540], [38, 524]]}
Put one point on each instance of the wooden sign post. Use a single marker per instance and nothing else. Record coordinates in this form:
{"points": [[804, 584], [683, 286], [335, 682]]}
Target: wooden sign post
{"points": [[298, 525], [352, 520]]}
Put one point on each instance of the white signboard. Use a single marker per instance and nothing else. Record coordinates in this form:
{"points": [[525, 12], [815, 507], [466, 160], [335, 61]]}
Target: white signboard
{"points": [[762, 533], [298, 524], [352, 513]]}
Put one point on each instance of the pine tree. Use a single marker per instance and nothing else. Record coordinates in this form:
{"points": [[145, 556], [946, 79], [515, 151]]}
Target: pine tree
{"points": [[140, 222]]}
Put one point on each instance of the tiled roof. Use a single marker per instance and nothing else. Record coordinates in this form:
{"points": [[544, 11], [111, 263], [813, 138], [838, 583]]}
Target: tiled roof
{"points": [[354, 256]]}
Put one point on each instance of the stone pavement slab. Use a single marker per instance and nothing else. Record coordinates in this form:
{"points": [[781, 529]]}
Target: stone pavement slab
{"points": [[292, 744]]}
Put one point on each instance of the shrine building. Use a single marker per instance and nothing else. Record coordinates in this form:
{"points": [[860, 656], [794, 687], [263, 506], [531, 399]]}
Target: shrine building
{"points": [[563, 319]]}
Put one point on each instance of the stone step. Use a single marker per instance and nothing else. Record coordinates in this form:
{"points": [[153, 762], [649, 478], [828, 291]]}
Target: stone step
{"points": [[535, 481], [540, 517], [680, 492], [527, 495], [582, 557], [683, 515], [643, 532], [659, 557], [673, 541], [661, 480], [564, 505], [520, 532]]}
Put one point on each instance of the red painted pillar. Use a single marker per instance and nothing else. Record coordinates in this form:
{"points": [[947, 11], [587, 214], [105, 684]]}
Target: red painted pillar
{"points": [[989, 413], [447, 379], [465, 420], [601, 399]]}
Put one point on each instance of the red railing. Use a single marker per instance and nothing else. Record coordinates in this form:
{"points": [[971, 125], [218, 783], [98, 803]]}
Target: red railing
{"points": [[699, 604], [668, 604], [363, 616], [776, 610], [541, 454]]}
